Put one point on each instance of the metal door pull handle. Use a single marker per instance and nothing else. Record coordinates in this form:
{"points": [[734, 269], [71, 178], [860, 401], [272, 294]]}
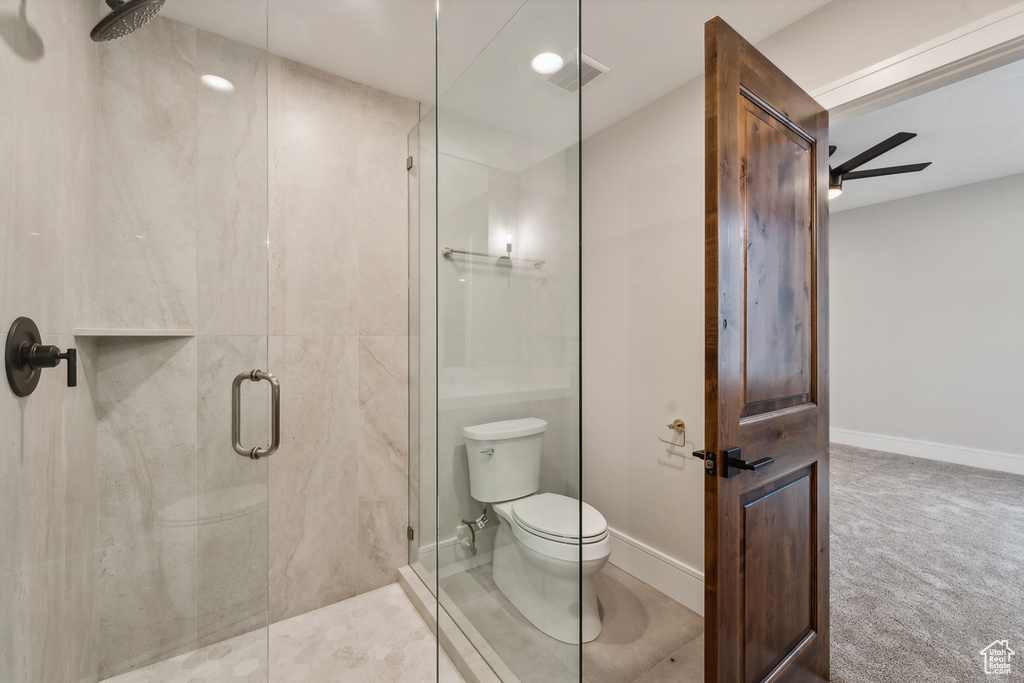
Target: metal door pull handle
{"points": [[275, 414]]}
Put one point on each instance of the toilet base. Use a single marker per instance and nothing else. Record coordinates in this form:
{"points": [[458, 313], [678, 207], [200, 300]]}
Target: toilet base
{"points": [[548, 591]]}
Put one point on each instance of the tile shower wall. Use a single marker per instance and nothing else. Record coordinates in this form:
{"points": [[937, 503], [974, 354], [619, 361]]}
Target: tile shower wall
{"points": [[132, 198], [337, 312], [180, 246], [338, 326], [47, 441]]}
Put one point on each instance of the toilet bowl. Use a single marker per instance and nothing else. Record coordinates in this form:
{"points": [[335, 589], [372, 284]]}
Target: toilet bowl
{"points": [[200, 542], [537, 563], [544, 562]]}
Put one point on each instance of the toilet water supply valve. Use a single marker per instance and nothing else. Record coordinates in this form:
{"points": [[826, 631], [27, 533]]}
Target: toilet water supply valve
{"points": [[478, 523]]}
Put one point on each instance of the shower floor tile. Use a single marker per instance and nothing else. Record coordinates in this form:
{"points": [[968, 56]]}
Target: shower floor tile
{"points": [[377, 637]]}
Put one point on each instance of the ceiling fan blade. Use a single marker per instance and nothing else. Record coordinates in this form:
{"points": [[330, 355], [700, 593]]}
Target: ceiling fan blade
{"points": [[888, 170], [831, 150], [878, 150]]}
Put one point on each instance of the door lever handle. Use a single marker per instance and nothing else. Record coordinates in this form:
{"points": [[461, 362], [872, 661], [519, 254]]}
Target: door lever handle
{"points": [[734, 464], [751, 466]]}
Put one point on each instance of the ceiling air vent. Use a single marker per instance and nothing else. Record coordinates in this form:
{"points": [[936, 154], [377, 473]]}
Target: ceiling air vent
{"points": [[573, 76]]}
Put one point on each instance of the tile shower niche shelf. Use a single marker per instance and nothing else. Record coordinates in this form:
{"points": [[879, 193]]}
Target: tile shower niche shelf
{"points": [[126, 332]]}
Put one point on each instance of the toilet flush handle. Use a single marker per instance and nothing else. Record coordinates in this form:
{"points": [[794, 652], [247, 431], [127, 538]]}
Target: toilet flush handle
{"points": [[489, 451]]}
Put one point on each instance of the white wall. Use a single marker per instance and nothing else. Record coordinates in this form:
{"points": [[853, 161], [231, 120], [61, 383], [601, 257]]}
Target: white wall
{"points": [[927, 331], [643, 279], [643, 333]]}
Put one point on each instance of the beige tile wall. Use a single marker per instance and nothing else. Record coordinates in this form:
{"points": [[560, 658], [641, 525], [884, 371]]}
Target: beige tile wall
{"points": [[338, 325], [47, 440]]}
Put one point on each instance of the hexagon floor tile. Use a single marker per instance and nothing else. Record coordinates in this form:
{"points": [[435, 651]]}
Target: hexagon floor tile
{"points": [[377, 637]]}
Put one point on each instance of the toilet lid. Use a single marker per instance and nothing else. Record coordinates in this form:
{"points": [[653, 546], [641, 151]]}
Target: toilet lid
{"points": [[553, 515]]}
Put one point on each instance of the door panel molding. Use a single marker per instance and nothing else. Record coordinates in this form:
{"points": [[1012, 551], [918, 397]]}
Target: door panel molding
{"points": [[766, 382]]}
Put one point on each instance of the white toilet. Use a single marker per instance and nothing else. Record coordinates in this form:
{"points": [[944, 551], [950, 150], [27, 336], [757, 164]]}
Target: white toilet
{"points": [[538, 550]]}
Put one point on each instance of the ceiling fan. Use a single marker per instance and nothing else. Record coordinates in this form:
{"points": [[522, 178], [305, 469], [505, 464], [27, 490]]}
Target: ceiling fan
{"points": [[845, 171]]}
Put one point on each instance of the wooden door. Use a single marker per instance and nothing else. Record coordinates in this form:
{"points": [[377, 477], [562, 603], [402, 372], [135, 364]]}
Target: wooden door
{"points": [[766, 536]]}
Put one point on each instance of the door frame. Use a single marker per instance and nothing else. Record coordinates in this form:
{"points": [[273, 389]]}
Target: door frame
{"points": [[971, 49]]}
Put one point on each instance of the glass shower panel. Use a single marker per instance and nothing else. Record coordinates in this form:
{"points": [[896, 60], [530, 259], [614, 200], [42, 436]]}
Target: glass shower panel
{"points": [[138, 205], [507, 331]]}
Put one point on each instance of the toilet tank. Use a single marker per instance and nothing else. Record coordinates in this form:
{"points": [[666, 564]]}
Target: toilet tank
{"points": [[504, 458]]}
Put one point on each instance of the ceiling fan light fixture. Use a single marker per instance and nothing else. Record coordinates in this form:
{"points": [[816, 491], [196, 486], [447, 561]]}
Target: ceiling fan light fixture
{"points": [[835, 185], [845, 171]]}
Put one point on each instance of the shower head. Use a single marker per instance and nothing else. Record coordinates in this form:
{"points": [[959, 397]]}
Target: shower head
{"points": [[127, 17]]}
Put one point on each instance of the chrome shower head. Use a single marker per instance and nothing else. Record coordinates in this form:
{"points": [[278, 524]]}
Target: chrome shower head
{"points": [[127, 17]]}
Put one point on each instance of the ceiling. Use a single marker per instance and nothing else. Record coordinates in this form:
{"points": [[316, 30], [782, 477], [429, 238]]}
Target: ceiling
{"points": [[652, 46], [963, 129], [655, 46]]}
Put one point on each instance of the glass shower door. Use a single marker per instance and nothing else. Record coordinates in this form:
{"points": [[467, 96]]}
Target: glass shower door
{"points": [[135, 214], [179, 312]]}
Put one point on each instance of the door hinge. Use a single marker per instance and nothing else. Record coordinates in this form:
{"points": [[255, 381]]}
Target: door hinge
{"points": [[408, 164], [409, 533]]}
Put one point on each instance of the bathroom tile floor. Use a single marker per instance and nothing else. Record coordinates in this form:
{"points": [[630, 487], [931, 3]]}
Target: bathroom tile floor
{"points": [[377, 637], [647, 636]]}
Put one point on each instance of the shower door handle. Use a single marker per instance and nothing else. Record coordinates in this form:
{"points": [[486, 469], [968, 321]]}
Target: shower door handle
{"points": [[275, 414]]}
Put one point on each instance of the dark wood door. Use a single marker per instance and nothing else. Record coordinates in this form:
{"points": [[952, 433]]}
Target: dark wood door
{"points": [[766, 537]]}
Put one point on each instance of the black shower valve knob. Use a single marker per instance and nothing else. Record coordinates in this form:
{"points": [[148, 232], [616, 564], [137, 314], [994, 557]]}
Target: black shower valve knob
{"points": [[25, 357], [49, 356]]}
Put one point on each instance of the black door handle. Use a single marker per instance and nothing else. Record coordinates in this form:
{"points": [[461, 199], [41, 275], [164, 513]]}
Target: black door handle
{"points": [[734, 464]]}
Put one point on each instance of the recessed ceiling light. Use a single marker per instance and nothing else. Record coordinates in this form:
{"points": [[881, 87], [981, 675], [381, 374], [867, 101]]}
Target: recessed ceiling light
{"points": [[547, 63], [217, 83]]}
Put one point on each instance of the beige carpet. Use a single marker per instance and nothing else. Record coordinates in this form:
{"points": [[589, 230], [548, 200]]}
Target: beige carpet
{"points": [[927, 568]]}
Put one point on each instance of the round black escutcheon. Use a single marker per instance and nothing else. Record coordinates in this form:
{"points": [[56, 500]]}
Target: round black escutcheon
{"points": [[22, 377]]}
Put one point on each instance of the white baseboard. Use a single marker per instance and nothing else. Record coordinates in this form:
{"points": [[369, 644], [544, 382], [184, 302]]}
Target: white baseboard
{"points": [[989, 460], [455, 559], [679, 581]]}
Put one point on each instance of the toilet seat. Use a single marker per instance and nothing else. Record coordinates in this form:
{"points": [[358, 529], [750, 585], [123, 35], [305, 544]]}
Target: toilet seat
{"points": [[567, 545], [557, 518]]}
